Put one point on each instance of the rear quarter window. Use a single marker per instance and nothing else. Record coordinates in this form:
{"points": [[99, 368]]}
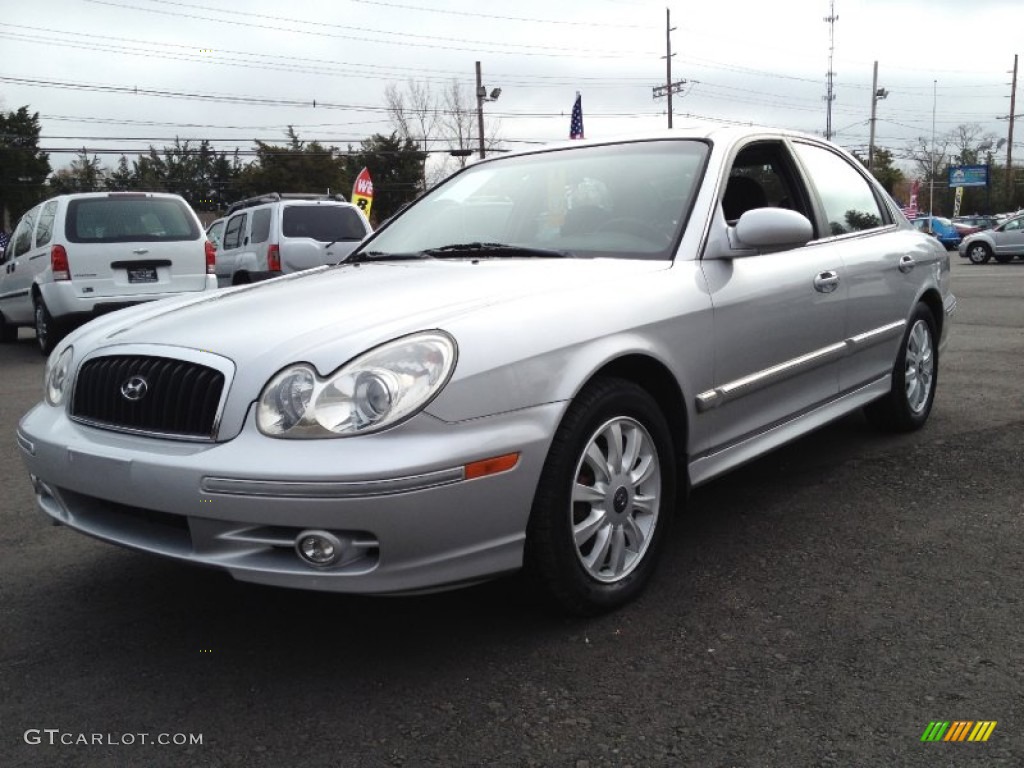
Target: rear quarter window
{"points": [[260, 225], [326, 223], [129, 220]]}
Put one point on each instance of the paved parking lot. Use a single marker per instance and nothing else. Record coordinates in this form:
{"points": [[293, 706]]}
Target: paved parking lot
{"points": [[819, 607]]}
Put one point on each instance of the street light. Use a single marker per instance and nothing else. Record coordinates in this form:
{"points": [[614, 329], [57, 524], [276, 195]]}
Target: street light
{"points": [[481, 97]]}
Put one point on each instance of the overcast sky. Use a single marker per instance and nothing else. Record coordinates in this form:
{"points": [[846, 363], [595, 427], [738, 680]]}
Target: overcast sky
{"points": [[93, 68]]}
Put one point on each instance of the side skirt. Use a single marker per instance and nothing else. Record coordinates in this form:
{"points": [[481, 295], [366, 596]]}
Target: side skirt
{"points": [[710, 465]]}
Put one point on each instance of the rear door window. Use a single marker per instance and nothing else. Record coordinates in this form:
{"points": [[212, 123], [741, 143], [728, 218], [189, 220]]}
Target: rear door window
{"points": [[21, 240], [234, 231], [849, 203], [129, 219], [326, 223]]}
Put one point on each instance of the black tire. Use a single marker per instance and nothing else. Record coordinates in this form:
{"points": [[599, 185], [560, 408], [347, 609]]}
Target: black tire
{"points": [[1004, 258], [914, 378], [48, 332], [241, 278], [624, 543], [978, 253], [8, 332]]}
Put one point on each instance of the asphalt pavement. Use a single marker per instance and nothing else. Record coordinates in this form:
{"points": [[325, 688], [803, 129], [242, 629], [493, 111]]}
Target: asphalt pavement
{"points": [[819, 607]]}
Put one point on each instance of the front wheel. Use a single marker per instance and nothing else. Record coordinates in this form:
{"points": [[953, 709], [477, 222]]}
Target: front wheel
{"points": [[978, 253], [914, 377], [604, 499]]}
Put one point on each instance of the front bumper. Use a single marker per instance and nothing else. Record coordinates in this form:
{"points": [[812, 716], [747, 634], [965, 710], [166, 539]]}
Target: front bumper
{"points": [[397, 500]]}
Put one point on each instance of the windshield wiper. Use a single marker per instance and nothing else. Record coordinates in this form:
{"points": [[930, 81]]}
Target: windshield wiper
{"points": [[495, 249], [364, 256]]}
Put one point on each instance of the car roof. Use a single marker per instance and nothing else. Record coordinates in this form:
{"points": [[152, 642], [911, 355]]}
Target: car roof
{"points": [[703, 130]]}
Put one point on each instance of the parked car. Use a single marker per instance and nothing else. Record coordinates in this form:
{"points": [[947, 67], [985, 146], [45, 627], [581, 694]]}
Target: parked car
{"points": [[968, 225], [215, 232], [525, 369], [277, 234], [77, 256], [1004, 242], [941, 228]]}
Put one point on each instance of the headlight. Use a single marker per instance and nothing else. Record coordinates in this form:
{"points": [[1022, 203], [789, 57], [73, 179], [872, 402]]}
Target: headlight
{"points": [[375, 391], [58, 376]]}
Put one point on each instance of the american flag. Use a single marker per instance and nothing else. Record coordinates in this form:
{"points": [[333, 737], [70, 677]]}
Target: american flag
{"points": [[576, 126], [4, 240]]}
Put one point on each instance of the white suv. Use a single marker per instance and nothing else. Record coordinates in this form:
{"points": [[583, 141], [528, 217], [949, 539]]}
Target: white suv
{"points": [[77, 256], [274, 234]]}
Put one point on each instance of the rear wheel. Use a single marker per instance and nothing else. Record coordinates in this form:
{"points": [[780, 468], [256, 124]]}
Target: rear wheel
{"points": [[604, 499], [914, 377], [978, 253], [48, 333]]}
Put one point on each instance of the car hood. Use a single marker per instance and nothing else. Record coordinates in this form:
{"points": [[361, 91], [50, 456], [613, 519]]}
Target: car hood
{"points": [[327, 316]]}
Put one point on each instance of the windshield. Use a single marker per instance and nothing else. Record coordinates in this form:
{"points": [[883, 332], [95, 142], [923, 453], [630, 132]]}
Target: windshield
{"points": [[620, 201]]}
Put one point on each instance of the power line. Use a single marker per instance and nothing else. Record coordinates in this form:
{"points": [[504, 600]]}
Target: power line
{"points": [[441, 42], [504, 18]]}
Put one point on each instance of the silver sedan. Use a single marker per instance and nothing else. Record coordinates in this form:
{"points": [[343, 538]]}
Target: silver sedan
{"points": [[1003, 242], [526, 369]]}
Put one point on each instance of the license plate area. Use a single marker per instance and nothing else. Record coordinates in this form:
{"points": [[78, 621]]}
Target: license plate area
{"points": [[142, 275]]}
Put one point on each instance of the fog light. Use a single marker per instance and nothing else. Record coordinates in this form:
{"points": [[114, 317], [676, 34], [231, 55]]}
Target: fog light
{"points": [[319, 548]]}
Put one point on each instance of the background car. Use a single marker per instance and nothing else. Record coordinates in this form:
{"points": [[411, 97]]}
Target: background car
{"points": [[941, 228], [77, 256], [1003, 243], [968, 225], [526, 369], [277, 234]]}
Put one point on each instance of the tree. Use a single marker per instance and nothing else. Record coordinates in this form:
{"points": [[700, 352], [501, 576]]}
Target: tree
{"points": [[121, 179], [23, 166], [964, 145], [439, 123], [85, 174], [297, 167], [396, 167], [884, 170]]}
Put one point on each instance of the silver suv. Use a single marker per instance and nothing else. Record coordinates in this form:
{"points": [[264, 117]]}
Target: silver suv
{"points": [[275, 234], [77, 256]]}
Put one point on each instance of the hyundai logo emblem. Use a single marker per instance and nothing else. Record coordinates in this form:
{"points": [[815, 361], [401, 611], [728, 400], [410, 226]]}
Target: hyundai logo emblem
{"points": [[134, 389]]}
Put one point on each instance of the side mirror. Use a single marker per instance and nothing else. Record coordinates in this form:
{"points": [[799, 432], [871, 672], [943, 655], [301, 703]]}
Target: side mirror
{"points": [[766, 229]]}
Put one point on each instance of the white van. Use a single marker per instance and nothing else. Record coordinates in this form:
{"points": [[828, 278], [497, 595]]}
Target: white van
{"points": [[274, 234], [74, 257]]}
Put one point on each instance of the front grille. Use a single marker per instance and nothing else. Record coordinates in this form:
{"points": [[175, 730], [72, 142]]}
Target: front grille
{"points": [[178, 397]]}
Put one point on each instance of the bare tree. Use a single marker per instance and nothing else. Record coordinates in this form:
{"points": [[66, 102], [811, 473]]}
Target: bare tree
{"points": [[970, 143], [413, 114], [440, 123]]}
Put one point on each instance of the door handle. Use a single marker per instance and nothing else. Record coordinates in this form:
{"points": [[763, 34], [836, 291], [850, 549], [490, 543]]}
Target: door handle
{"points": [[907, 263], [826, 282]]}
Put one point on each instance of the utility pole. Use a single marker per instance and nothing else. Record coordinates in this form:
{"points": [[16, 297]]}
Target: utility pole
{"points": [[480, 93], [669, 87], [876, 94], [1010, 189], [830, 96], [481, 97]]}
